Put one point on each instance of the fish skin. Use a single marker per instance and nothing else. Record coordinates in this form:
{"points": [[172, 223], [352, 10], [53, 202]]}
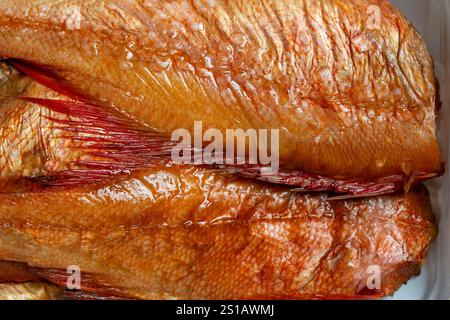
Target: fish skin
{"points": [[29, 291], [12, 81], [31, 143], [373, 118], [160, 236], [16, 272], [18, 281], [279, 244], [39, 143], [173, 205], [185, 206], [50, 140], [159, 197]]}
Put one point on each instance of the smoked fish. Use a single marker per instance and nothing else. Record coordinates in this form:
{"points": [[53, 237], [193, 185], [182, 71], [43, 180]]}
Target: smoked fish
{"points": [[171, 233], [349, 84], [91, 92], [168, 231]]}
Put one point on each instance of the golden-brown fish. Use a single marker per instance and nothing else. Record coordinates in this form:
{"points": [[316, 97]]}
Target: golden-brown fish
{"points": [[30, 141], [353, 96], [85, 174], [45, 135], [168, 231], [160, 235]]}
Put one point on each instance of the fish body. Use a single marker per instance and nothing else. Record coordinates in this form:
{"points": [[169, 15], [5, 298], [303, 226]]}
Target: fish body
{"points": [[189, 232], [237, 241], [91, 92], [354, 102]]}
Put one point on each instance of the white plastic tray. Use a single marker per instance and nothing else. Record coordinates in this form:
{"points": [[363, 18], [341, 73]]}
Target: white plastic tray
{"points": [[432, 19]]}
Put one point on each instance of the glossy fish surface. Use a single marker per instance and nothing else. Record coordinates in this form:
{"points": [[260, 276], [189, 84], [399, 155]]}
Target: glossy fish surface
{"points": [[354, 102], [168, 231], [158, 235], [91, 92]]}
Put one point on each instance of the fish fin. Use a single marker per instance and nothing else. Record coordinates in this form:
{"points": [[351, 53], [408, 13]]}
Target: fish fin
{"points": [[89, 287], [358, 296], [352, 188], [47, 78], [85, 295], [110, 143], [11, 271]]}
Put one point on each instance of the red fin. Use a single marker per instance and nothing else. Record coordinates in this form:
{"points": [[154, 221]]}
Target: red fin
{"points": [[117, 144], [306, 182], [90, 288], [48, 79], [84, 295], [367, 296]]}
